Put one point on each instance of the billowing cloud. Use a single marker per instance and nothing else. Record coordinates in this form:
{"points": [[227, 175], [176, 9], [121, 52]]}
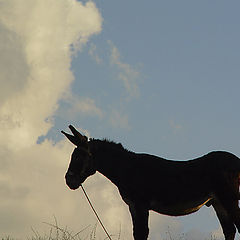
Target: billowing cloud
{"points": [[13, 66], [36, 61], [37, 41]]}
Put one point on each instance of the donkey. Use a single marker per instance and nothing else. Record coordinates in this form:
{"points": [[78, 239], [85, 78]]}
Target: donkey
{"points": [[146, 182]]}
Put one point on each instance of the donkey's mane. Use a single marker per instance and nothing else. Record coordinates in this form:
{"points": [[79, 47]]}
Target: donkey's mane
{"points": [[106, 143]]}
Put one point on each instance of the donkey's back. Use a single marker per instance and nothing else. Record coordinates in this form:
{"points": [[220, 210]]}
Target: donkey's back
{"points": [[181, 187], [147, 168]]}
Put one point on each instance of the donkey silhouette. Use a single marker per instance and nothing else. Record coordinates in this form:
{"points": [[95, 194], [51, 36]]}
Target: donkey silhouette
{"points": [[148, 182]]}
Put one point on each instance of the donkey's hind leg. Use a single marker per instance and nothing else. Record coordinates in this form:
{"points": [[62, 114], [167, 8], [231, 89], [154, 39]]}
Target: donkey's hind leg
{"points": [[233, 211], [228, 197], [225, 220]]}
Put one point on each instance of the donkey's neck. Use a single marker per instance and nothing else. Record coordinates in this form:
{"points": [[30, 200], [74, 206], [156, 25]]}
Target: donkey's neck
{"points": [[110, 159]]}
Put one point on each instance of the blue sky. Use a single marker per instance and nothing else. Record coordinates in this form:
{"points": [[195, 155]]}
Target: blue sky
{"points": [[160, 77]]}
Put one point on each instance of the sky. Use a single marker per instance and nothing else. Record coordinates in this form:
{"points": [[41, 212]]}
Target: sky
{"points": [[161, 77]]}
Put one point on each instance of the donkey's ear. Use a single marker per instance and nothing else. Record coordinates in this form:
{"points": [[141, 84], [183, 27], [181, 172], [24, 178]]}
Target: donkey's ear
{"points": [[77, 138], [78, 135], [71, 138]]}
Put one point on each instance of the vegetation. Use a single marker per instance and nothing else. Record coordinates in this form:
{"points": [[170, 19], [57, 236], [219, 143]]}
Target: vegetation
{"points": [[59, 233], [88, 233]]}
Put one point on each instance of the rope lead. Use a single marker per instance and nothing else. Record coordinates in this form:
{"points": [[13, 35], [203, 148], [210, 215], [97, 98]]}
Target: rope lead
{"points": [[105, 230]]}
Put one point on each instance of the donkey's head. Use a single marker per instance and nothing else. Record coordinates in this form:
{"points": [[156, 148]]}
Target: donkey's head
{"points": [[81, 165]]}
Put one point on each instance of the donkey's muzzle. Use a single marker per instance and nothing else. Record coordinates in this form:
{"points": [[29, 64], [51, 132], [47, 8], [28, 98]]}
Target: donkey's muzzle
{"points": [[72, 182]]}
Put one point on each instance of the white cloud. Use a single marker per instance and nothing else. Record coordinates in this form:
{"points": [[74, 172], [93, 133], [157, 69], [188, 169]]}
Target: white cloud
{"points": [[40, 33], [33, 189], [13, 66], [35, 60], [127, 74]]}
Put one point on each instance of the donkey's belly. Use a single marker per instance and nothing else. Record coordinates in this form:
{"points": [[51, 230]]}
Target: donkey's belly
{"points": [[178, 208]]}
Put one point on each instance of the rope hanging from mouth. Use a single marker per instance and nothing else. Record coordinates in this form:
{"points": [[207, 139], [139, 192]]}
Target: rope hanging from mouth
{"points": [[101, 223]]}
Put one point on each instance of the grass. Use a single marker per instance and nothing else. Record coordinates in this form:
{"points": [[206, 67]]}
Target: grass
{"points": [[59, 233], [184, 236], [88, 233]]}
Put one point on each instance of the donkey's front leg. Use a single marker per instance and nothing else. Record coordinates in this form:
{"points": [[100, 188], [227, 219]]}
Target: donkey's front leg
{"points": [[140, 221]]}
